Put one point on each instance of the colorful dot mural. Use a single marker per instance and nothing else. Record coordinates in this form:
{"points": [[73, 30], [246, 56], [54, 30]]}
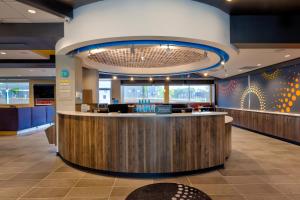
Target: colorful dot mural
{"points": [[276, 89], [271, 76], [227, 89], [290, 93], [253, 89]]}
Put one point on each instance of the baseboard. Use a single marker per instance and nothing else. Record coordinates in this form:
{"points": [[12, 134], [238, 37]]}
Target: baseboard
{"points": [[269, 135]]}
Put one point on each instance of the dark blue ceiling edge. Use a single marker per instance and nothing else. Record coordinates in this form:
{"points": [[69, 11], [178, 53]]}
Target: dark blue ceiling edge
{"points": [[222, 54]]}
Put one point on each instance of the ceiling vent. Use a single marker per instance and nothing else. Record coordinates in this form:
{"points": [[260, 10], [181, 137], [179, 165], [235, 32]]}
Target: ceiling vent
{"points": [[248, 67]]}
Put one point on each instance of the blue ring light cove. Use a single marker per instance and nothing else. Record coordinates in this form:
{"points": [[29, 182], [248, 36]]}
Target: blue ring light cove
{"points": [[224, 57]]}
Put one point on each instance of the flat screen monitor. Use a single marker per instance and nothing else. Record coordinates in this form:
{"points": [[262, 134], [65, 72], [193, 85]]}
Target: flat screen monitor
{"points": [[121, 108]]}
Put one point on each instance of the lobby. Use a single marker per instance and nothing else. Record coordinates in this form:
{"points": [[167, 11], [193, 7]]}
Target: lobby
{"points": [[130, 99]]}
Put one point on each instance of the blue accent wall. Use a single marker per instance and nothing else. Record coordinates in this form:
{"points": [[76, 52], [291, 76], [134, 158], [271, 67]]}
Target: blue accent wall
{"points": [[16, 119]]}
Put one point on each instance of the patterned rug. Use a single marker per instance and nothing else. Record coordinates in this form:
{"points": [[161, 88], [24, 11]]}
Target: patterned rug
{"points": [[167, 191]]}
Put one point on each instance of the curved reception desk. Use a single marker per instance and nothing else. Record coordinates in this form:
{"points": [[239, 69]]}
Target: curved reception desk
{"points": [[144, 143]]}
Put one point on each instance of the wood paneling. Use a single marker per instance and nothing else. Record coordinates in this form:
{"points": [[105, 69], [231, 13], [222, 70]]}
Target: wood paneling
{"points": [[51, 134], [143, 144], [87, 96], [277, 125], [227, 140]]}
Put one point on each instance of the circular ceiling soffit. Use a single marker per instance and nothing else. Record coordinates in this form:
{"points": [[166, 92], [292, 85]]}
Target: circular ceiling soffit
{"points": [[151, 57]]}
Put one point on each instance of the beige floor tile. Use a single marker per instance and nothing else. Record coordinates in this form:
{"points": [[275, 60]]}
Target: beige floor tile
{"points": [[42, 199], [294, 196], [211, 173], [217, 189], [260, 168], [18, 183], [18, 164], [243, 179], [227, 197], [66, 183], [90, 192], [95, 176], [47, 193], [249, 189], [229, 172], [85, 198], [95, 182], [268, 172], [6, 176], [118, 198], [66, 169], [293, 171], [121, 182], [5, 170], [65, 175], [120, 192], [279, 179], [24, 176], [267, 197], [12, 192], [207, 180], [179, 180], [288, 188]]}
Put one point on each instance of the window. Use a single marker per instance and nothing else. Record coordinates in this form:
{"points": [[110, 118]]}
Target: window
{"points": [[200, 93], [189, 93], [133, 93], [14, 93], [179, 93], [104, 91]]}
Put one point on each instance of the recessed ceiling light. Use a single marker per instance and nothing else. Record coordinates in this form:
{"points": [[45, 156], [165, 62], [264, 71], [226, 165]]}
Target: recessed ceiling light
{"points": [[258, 65], [31, 11], [167, 78], [94, 51], [131, 78], [150, 79], [287, 56], [229, 0], [205, 74], [240, 70], [3, 53], [115, 77]]}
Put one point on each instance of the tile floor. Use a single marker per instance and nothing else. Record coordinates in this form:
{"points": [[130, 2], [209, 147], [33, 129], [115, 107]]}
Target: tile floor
{"points": [[260, 168]]}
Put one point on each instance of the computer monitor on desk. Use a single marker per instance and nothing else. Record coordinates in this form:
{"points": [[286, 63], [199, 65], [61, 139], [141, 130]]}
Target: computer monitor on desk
{"points": [[121, 108]]}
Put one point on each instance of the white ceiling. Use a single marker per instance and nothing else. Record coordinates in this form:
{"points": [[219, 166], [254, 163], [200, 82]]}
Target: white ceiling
{"points": [[27, 72], [246, 57], [12, 11], [253, 57], [21, 54]]}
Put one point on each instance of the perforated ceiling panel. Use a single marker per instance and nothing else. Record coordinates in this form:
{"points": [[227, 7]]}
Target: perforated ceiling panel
{"points": [[148, 56]]}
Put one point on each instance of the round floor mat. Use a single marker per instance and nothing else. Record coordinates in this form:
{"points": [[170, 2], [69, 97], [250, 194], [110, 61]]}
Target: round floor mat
{"points": [[167, 191]]}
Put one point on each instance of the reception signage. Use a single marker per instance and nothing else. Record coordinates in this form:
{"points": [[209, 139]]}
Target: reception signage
{"points": [[65, 84], [64, 73]]}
